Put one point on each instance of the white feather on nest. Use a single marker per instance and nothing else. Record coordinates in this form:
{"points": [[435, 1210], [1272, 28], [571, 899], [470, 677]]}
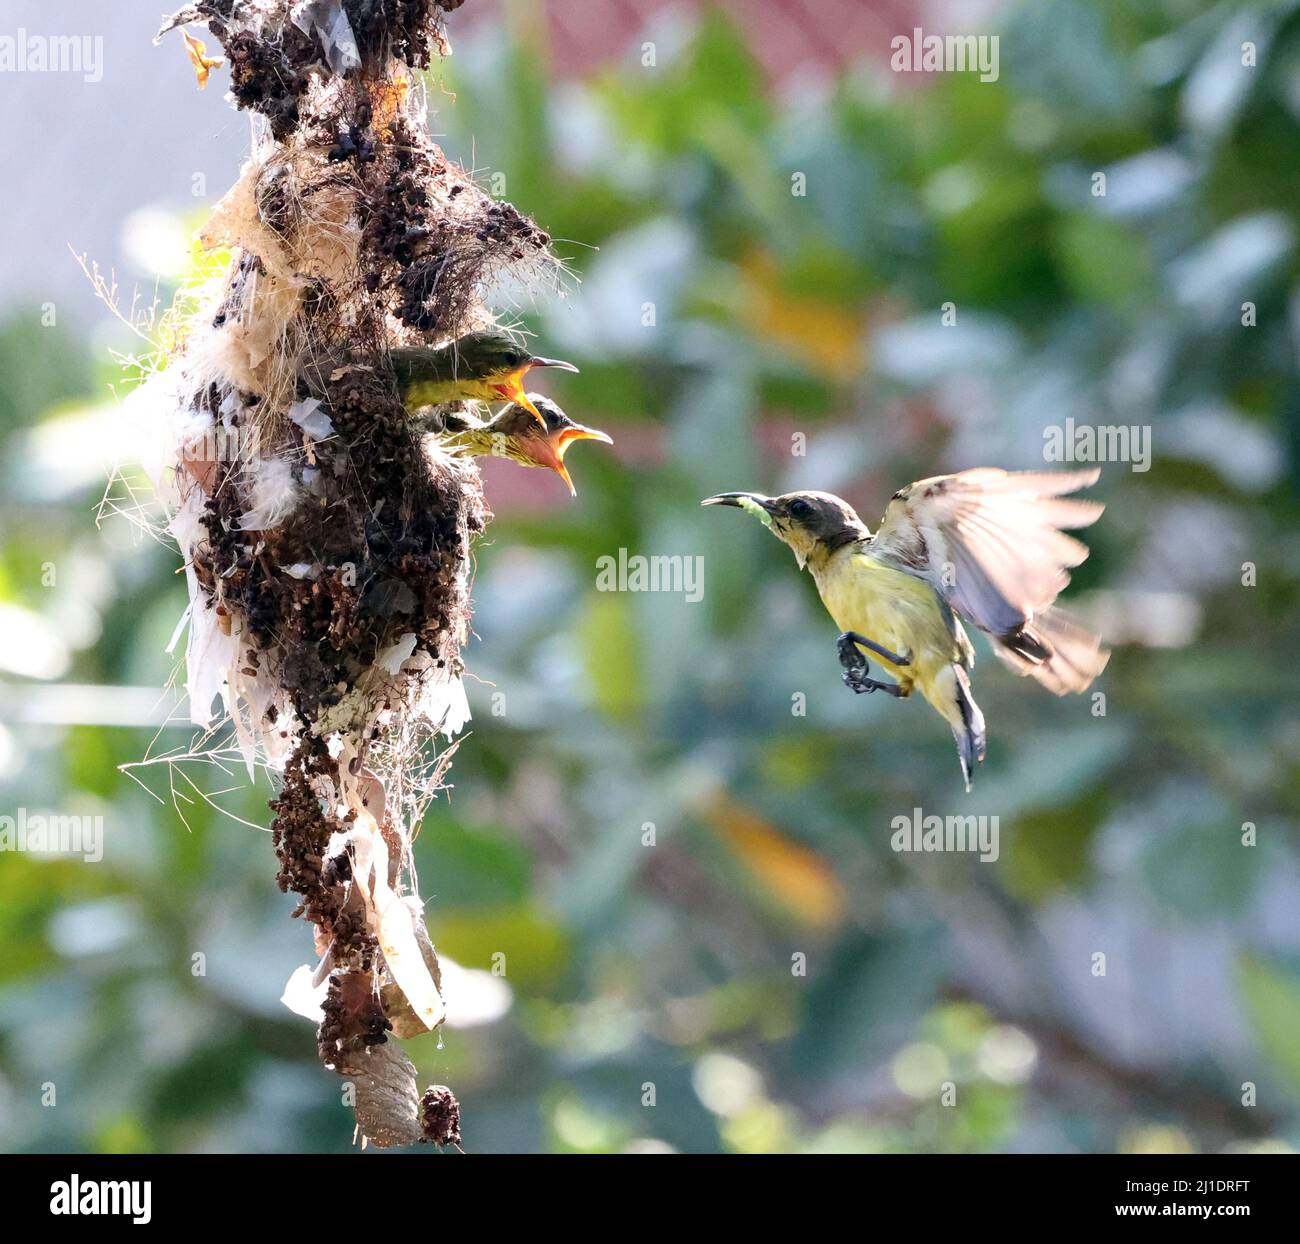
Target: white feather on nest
{"points": [[272, 495]]}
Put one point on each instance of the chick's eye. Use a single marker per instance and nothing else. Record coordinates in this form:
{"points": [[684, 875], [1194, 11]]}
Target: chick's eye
{"points": [[799, 508]]}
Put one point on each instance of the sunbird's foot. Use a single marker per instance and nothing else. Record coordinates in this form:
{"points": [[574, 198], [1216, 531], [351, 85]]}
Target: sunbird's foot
{"points": [[852, 660], [857, 680], [856, 667], [850, 641]]}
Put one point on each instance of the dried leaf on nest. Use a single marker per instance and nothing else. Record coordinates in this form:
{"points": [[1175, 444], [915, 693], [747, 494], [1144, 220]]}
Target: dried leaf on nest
{"points": [[393, 919], [199, 58], [406, 1021], [388, 103]]}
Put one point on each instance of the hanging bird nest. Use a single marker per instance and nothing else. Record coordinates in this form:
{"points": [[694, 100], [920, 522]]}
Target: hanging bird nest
{"points": [[326, 544]]}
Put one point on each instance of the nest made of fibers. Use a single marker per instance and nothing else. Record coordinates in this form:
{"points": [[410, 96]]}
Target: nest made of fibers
{"points": [[326, 546]]}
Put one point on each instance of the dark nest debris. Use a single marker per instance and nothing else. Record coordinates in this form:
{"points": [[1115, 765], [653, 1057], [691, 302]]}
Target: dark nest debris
{"points": [[326, 544]]}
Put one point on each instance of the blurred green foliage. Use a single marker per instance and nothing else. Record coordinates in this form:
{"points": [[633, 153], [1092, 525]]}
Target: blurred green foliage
{"points": [[768, 972]]}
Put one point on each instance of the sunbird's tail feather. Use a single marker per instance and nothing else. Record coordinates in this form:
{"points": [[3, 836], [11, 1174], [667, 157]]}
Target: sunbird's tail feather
{"points": [[1056, 650], [970, 732], [949, 692]]}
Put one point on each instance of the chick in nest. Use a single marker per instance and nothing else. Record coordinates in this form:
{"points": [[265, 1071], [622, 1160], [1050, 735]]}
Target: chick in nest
{"points": [[484, 367], [515, 433]]}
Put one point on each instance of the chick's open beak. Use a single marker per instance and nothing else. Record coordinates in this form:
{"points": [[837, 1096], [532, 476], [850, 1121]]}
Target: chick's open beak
{"points": [[566, 436], [549, 450], [511, 388]]}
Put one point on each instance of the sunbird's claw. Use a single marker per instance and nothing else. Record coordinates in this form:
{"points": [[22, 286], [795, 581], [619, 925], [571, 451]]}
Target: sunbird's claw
{"points": [[850, 657], [854, 679], [857, 680], [856, 666]]}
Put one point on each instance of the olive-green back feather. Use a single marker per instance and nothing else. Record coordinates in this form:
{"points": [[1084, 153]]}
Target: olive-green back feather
{"points": [[470, 358]]}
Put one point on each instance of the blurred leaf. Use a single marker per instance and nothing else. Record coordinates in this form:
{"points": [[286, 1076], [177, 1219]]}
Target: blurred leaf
{"points": [[1064, 51], [1104, 262], [1202, 872], [609, 646], [868, 1000], [1272, 1000], [795, 875], [827, 337], [534, 947], [1047, 849]]}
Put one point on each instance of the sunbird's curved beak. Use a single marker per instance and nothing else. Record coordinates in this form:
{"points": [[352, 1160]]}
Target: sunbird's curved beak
{"points": [[550, 449], [738, 499], [752, 502]]}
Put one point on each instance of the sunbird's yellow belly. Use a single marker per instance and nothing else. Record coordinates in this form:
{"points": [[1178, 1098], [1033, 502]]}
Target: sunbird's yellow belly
{"points": [[892, 608]]}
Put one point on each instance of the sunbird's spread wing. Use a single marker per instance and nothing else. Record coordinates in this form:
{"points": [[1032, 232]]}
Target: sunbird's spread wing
{"points": [[991, 543]]}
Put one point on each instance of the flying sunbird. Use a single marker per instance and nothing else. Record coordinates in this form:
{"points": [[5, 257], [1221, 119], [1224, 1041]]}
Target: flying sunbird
{"points": [[484, 367], [984, 546], [516, 434]]}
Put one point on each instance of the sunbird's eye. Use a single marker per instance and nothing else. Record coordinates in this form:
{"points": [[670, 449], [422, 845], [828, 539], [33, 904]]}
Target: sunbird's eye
{"points": [[799, 508]]}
